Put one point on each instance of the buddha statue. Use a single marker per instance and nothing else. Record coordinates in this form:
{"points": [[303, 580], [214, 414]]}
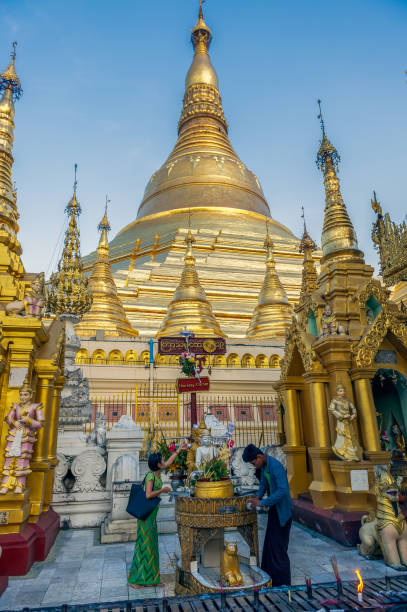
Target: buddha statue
{"points": [[346, 445], [212, 423], [206, 451]]}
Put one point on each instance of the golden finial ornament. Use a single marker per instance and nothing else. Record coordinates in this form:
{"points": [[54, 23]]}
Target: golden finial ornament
{"points": [[68, 288], [106, 312], [273, 313], [390, 240], [309, 272], [338, 234], [9, 78], [189, 305]]}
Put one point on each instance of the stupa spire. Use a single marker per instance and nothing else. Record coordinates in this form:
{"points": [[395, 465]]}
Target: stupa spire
{"points": [[189, 305], [68, 290], [273, 313], [203, 155], [11, 267], [107, 312], [338, 234], [309, 272]]}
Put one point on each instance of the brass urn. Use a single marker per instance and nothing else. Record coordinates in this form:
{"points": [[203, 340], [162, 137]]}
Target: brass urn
{"points": [[218, 488]]}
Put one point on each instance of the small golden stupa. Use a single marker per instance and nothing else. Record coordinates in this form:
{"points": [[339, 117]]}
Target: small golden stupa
{"points": [[272, 315], [189, 304], [107, 312]]}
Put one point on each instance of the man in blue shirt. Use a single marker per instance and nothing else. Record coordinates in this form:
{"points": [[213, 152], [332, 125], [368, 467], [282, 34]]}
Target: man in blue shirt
{"points": [[273, 481]]}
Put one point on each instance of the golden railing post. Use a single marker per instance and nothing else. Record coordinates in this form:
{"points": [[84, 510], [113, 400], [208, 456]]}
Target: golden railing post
{"points": [[135, 405], [262, 423]]}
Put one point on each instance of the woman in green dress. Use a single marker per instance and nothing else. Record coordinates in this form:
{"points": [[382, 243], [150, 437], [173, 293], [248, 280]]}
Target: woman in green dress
{"points": [[145, 568]]}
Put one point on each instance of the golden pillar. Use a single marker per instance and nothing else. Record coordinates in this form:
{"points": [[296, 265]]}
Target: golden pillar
{"points": [[52, 441], [294, 448], [367, 415], [322, 487], [40, 464]]}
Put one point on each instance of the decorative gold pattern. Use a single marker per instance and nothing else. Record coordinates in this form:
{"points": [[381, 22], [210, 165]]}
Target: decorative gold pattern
{"points": [[390, 241], [295, 338], [309, 272]]}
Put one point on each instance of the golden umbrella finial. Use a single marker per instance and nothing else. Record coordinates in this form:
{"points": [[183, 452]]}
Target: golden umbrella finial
{"points": [[9, 77]]}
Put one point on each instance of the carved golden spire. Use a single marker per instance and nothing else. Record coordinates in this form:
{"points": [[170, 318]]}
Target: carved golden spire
{"points": [[273, 313], [390, 240], [11, 267], [189, 305], [107, 312], [309, 272], [68, 291], [203, 169], [338, 234]]}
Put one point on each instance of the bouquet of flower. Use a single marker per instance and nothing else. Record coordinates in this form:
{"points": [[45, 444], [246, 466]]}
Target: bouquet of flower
{"points": [[166, 451], [187, 362]]}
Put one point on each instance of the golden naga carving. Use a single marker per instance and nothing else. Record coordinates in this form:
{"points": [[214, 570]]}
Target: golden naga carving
{"points": [[346, 445], [390, 319], [23, 420], [229, 566], [390, 241], [384, 531], [33, 301]]}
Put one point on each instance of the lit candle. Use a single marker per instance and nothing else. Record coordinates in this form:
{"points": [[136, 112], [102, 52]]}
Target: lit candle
{"points": [[359, 586], [289, 595]]}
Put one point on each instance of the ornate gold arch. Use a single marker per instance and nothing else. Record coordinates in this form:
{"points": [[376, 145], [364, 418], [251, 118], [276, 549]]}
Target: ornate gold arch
{"points": [[373, 288], [387, 321], [295, 338]]}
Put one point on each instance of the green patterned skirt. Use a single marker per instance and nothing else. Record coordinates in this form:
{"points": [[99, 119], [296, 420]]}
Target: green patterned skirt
{"points": [[145, 567]]}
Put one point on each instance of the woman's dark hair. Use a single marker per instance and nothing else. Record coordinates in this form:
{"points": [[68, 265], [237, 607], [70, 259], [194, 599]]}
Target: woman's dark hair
{"points": [[153, 461], [250, 453]]}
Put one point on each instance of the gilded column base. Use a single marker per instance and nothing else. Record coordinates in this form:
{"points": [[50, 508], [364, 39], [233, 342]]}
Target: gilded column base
{"points": [[36, 481], [297, 474], [380, 457], [322, 488], [350, 500], [14, 511]]}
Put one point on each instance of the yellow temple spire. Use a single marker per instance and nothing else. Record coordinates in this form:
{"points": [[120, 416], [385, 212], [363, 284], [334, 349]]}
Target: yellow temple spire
{"points": [[68, 288], [11, 267], [189, 305], [203, 169], [273, 313], [338, 234], [309, 272], [107, 312]]}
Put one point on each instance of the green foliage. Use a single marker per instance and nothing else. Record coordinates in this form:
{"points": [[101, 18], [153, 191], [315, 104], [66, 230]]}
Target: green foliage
{"points": [[215, 469]]}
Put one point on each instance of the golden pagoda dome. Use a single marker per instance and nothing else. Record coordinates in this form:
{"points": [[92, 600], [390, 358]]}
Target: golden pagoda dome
{"points": [[189, 305], [106, 312], [273, 313], [203, 169]]}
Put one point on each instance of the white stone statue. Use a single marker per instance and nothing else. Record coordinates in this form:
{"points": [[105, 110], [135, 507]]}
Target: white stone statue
{"points": [[206, 451], [212, 424], [245, 471], [60, 472]]}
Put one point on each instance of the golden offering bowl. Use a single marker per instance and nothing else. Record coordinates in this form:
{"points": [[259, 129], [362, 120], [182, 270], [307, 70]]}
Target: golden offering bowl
{"points": [[221, 488]]}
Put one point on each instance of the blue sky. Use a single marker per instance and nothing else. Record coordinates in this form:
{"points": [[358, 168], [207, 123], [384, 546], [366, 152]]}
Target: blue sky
{"points": [[103, 84]]}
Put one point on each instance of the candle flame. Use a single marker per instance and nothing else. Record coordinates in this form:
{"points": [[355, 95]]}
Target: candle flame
{"points": [[360, 585]]}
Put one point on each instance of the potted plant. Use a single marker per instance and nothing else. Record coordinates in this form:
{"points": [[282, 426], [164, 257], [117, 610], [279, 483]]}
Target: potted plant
{"points": [[215, 480]]}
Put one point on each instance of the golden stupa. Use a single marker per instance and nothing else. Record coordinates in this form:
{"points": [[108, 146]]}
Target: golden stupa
{"points": [[272, 315], [106, 312], [189, 303], [203, 174]]}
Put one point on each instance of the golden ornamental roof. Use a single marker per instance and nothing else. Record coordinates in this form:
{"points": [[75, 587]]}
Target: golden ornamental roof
{"points": [[272, 315], [203, 169], [68, 291], [106, 312], [189, 305], [390, 240]]}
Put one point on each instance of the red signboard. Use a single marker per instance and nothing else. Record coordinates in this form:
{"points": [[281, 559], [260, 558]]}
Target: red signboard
{"points": [[197, 346], [192, 385]]}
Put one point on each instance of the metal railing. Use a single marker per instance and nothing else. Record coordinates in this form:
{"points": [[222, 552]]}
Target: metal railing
{"points": [[256, 417]]}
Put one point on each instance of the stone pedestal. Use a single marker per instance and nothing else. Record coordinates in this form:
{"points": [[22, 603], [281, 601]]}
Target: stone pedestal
{"points": [[118, 525], [125, 438], [71, 440], [354, 482]]}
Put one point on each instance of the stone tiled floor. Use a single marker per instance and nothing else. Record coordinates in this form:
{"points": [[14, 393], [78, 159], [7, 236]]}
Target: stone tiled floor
{"points": [[81, 570]]}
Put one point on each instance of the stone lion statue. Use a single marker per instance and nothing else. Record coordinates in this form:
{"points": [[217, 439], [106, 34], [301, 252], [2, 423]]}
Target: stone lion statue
{"points": [[384, 532]]}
